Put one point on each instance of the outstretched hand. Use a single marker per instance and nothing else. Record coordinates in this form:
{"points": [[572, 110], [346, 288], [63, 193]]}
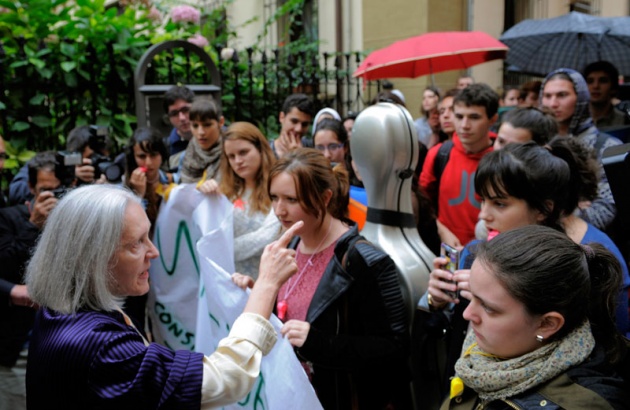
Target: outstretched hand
{"points": [[277, 264]]}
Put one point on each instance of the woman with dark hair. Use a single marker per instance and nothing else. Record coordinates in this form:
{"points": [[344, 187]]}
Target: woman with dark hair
{"points": [[520, 185], [582, 189], [343, 311], [245, 164], [542, 332], [325, 113], [429, 119], [526, 124], [509, 96], [331, 138], [144, 157]]}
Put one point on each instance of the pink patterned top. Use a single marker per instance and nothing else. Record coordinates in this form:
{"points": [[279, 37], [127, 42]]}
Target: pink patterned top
{"points": [[299, 295]]}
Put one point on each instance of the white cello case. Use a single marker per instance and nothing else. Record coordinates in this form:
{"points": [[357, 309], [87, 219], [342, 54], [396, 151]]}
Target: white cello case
{"points": [[385, 150]]}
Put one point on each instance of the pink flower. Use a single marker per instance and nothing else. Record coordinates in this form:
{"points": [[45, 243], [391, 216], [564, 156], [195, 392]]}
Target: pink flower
{"points": [[198, 40], [154, 14], [186, 14]]}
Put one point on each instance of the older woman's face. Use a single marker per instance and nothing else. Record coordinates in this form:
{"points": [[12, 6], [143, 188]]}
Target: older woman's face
{"points": [[133, 258], [501, 323]]}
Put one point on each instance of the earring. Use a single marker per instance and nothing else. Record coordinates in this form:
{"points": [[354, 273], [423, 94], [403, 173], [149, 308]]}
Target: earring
{"points": [[540, 338]]}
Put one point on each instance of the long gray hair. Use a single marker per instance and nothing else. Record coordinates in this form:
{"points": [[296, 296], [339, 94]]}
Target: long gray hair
{"points": [[70, 269]]}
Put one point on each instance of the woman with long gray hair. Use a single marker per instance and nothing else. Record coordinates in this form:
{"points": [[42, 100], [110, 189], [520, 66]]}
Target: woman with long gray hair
{"points": [[85, 352]]}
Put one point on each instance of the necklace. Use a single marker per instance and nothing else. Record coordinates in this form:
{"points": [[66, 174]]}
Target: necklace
{"points": [[282, 306]]}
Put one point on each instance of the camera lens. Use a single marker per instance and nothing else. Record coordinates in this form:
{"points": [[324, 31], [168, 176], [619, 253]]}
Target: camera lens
{"points": [[113, 172]]}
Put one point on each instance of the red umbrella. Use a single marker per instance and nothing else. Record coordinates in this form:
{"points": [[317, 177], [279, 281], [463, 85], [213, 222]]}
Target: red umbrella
{"points": [[431, 53]]}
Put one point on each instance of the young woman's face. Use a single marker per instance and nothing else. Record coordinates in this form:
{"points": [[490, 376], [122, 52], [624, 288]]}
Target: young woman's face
{"points": [[206, 132], [508, 134], [511, 98], [502, 213], [502, 325], [429, 100], [244, 158], [151, 161], [327, 143], [284, 200], [447, 121]]}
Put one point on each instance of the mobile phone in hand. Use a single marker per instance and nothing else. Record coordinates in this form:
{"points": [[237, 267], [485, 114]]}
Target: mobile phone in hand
{"points": [[452, 263]]}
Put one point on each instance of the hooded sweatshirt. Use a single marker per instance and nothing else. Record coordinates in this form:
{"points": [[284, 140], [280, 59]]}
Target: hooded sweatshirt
{"points": [[602, 210]]}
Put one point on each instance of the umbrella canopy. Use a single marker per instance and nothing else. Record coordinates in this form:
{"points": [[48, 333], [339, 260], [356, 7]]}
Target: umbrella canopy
{"points": [[570, 41], [431, 53]]}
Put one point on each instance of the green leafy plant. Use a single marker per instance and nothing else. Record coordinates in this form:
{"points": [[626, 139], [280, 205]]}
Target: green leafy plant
{"points": [[67, 63], [16, 156]]}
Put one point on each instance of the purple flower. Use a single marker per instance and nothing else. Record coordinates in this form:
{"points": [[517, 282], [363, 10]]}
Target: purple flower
{"points": [[198, 40], [186, 14]]}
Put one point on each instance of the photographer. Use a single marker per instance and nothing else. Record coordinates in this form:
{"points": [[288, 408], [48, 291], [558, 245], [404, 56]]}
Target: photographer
{"points": [[91, 142], [20, 226]]}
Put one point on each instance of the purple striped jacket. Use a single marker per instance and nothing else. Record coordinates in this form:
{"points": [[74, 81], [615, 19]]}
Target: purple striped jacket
{"points": [[93, 360]]}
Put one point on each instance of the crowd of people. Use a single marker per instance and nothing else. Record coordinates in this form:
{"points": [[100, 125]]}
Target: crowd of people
{"points": [[536, 308]]}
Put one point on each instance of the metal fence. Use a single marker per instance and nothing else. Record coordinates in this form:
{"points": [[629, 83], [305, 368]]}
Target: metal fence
{"points": [[270, 76], [42, 100], [253, 83]]}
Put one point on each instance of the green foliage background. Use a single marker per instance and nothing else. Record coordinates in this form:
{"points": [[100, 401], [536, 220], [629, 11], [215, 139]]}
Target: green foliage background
{"points": [[69, 63]]}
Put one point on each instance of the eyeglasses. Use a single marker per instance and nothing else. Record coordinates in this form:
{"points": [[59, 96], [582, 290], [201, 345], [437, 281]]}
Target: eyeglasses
{"points": [[184, 110], [329, 147], [3, 155]]}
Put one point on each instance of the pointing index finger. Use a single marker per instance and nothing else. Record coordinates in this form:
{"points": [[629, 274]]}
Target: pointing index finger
{"points": [[290, 233]]}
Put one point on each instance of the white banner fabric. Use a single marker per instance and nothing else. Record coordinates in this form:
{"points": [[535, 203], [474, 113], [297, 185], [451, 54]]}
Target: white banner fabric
{"points": [[195, 294]]}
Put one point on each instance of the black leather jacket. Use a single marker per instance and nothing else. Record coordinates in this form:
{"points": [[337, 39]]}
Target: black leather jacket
{"points": [[358, 344]]}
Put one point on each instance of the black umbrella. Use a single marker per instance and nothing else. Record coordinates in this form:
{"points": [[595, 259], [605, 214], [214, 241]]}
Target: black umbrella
{"points": [[571, 41]]}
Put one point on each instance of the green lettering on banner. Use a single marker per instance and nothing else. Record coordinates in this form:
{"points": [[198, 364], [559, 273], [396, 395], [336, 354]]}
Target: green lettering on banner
{"points": [[182, 229], [174, 327], [214, 319]]}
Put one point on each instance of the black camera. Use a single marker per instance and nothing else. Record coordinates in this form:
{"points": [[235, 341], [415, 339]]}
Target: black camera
{"points": [[59, 192], [64, 167], [102, 164]]}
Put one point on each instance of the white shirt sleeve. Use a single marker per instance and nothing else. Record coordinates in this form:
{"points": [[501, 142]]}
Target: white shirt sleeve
{"points": [[230, 372]]}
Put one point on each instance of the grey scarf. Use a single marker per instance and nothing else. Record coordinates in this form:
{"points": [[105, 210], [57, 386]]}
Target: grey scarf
{"points": [[198, 160]]}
